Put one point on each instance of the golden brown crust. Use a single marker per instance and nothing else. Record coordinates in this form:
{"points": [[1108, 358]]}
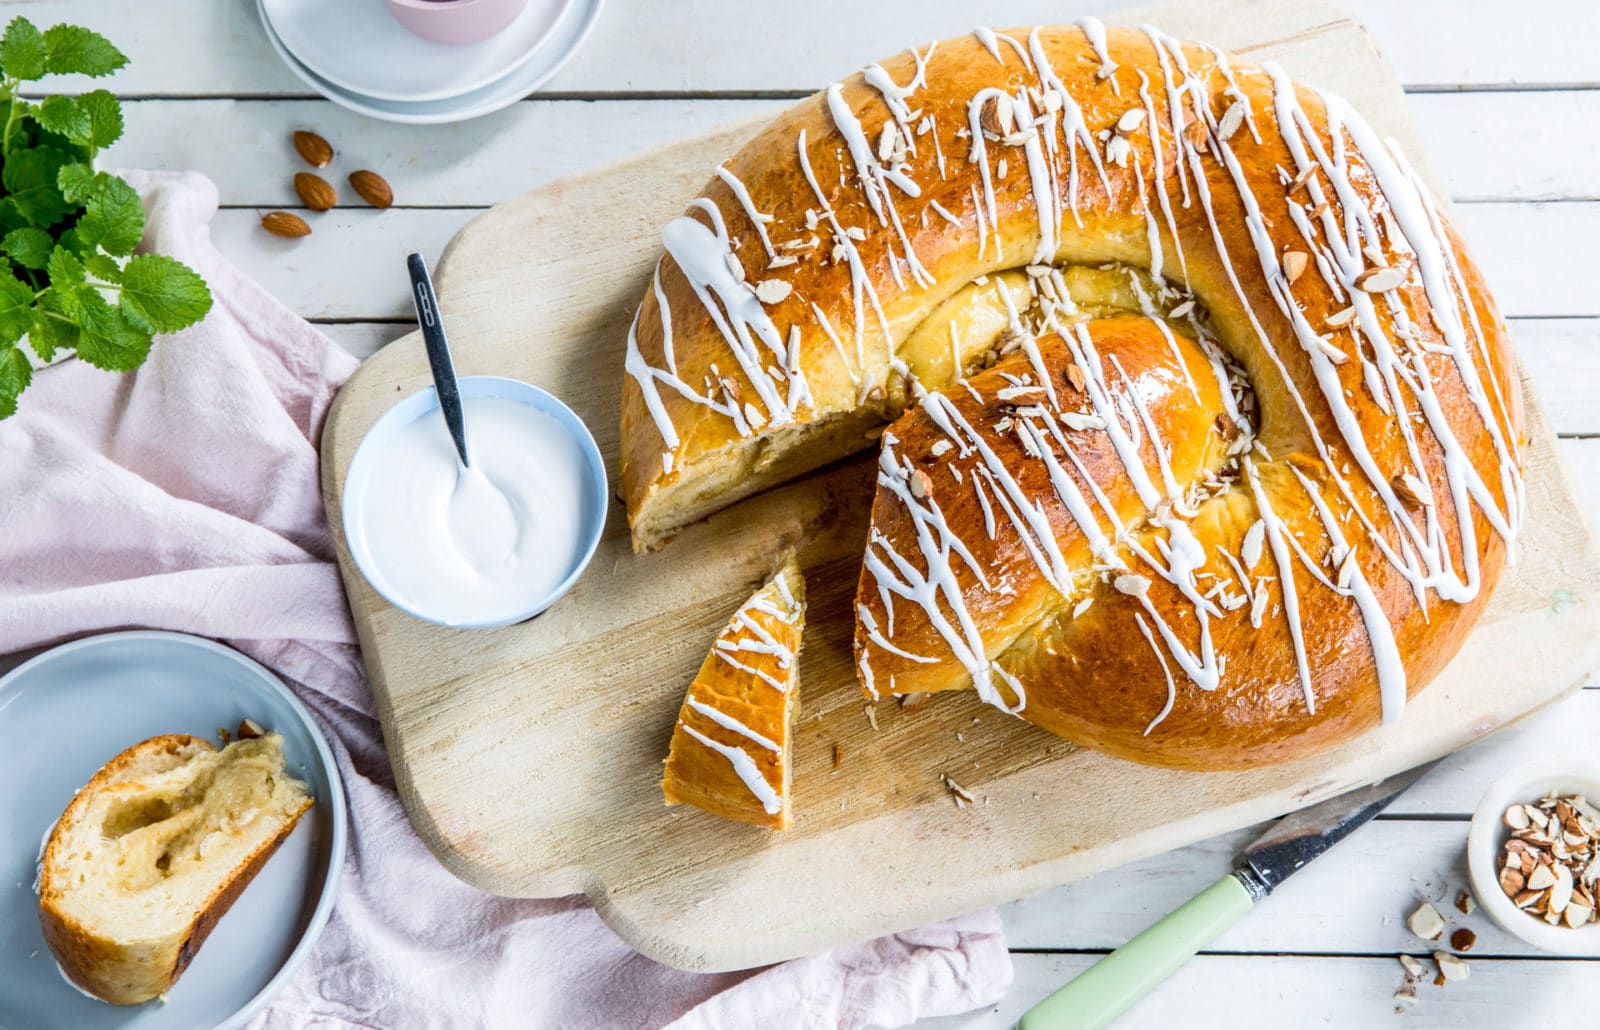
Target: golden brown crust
{"points": [[124, 973], [1022, 595], [696, 772], [222, 899], [1189, 165]]}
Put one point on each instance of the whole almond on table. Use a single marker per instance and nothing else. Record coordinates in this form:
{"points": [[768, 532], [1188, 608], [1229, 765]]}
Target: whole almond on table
{"points": [[372, 188], [282, 223], [315, 191], [316, 151]]}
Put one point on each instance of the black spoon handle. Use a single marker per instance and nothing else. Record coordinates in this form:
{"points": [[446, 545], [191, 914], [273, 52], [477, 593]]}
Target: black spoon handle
{"points": [[444, 370]]}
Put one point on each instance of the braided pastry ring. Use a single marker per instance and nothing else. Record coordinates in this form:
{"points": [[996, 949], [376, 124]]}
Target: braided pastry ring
{"points": [[1209, 445]]}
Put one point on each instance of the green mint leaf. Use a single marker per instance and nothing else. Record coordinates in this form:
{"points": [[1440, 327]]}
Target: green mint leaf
{"points": [[11, 217], [30, 177], [75, 150], [69, 240], [16, 308], [106, 339], [28, 247], [49, 335], [64, 267], [77, 51], [102, 267], [75, 181], [63, 116], [23, 53], [42, 343], [15, 374], [162, 294], [113, 217], [105, 117], [62, 298]]}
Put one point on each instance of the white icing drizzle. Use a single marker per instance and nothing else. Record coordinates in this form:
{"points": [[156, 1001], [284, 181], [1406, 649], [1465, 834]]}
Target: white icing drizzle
{"points": [[935, 589], [861, 288], [1074, 129], [1025, 512], [757, 219], [728, 722], [876, 179], [1087, 357], [705, 257], [838, 345], [874, 176], [643, 374], [985, 35], [991, 42], [761, 674], [782, 583], [1277, 533], [701, 254], [894, 95], [1423, 234], [746, 768], [1172, 689], [1094, 31], [764, 641], [1385, 651]]}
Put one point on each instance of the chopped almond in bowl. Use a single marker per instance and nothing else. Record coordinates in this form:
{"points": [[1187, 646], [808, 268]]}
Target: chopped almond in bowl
{"points": [[1534, 855]]}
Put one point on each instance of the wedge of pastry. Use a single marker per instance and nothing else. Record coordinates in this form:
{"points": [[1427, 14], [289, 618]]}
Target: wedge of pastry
{"points": [[730, 748], [153, 851]]}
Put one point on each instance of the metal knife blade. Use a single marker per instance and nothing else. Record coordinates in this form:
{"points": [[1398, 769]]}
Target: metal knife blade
{"points": [[1298, 838]]}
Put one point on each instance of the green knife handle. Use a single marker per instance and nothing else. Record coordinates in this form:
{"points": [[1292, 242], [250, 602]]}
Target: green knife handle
{"points": [[1111, 986]]}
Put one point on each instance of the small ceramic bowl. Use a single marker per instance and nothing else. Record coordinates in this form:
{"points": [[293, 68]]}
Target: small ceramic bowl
{"points": [[456, 22], [425, 403], [1489, 833]]}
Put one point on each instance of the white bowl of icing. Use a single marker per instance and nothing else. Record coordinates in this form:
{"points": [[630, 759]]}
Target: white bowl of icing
{"points": [[488, 546]]}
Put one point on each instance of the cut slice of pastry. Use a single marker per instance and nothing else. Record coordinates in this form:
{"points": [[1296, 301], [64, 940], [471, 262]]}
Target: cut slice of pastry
{"points": [[730, 748], [152, 852]]}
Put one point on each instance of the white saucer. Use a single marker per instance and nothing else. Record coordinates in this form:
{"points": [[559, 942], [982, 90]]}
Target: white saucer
{"points": [[358, 46], [64, 714], [568, 33]]}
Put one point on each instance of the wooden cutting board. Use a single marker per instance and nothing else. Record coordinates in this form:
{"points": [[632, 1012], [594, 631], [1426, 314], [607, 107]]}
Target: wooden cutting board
{"points": [[529, 757]]}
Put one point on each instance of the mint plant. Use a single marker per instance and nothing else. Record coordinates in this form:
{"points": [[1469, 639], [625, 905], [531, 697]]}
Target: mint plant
{"points": [[68, 231]]}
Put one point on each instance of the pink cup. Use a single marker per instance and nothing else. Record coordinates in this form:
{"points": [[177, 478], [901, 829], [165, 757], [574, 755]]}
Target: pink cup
{"points": [[456, 21]]}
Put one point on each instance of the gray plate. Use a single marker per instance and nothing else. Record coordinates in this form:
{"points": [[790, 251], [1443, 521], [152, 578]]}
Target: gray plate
{"points": [[68, 711]]}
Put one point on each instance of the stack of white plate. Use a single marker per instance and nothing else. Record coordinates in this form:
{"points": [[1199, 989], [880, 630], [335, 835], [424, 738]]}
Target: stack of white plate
{"points": [[354, 53]]}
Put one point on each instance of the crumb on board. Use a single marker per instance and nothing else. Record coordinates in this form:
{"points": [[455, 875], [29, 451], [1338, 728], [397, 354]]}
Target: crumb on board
{"points": [[958, 793]]}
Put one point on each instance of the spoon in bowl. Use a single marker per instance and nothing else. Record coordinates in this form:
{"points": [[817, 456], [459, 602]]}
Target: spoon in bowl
{"points": [[438, 347], [481, 521]]}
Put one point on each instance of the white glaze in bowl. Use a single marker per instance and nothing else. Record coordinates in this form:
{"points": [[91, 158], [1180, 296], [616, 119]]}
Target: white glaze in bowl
{"points": [[375, 553]]}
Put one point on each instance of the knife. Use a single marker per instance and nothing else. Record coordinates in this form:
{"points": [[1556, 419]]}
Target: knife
{"points": [[1111, 986]]}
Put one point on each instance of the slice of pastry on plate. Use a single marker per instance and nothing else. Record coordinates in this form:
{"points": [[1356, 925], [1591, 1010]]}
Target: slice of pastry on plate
{"points": [[730, 748], [154, 850]]}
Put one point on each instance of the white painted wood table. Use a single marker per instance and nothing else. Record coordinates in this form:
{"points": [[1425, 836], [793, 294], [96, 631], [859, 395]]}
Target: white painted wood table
{"points": [[1508, 100]]}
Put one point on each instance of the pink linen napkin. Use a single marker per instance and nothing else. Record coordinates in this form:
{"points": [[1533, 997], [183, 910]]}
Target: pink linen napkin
{"points": [[185, 497]]}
